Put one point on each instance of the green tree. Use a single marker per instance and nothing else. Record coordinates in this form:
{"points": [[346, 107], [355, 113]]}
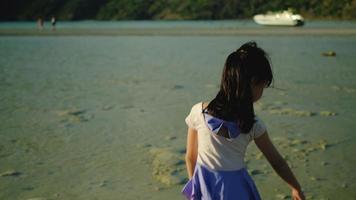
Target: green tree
{"points": [[169, 9]]}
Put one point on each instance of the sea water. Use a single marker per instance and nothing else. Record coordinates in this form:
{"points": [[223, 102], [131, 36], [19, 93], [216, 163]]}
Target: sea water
{"points": [[83, 117]]}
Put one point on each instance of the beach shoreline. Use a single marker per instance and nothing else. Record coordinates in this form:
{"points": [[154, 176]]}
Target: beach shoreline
{"points": [[265, 31]]}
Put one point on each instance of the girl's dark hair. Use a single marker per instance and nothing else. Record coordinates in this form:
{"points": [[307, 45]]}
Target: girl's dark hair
{"points": [[234, 100]]}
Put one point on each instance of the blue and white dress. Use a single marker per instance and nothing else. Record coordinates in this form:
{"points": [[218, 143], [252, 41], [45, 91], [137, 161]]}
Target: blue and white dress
{"points": [[220, 172]]}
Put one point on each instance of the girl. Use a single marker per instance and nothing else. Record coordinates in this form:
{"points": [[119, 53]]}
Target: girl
{"points": [[220, 131]]}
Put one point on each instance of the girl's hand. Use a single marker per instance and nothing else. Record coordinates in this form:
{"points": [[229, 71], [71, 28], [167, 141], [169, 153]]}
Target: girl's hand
{"points": [[279, 165], [297, 194]]}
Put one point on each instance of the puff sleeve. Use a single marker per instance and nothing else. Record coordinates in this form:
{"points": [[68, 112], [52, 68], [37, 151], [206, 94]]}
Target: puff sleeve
{"points": [[258, 129], [191, 120]]}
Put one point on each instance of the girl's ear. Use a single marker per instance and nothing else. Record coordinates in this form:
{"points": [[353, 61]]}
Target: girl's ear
{"points": [[254, 82]]}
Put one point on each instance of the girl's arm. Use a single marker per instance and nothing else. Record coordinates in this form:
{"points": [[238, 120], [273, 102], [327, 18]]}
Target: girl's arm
{"points": [[191, 152], [279, 165]]}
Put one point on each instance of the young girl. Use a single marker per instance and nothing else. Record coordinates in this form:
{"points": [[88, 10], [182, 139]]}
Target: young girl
{"points": [[220, 131]]}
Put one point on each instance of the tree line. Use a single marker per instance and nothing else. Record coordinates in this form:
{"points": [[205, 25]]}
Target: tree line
{"points": [[170, 9]]}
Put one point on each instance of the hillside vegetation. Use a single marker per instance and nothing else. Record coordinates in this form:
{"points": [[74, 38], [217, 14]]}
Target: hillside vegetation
{"points": [[170, 9]]}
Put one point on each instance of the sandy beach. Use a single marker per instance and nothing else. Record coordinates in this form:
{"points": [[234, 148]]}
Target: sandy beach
{"points": [[99, 113]]}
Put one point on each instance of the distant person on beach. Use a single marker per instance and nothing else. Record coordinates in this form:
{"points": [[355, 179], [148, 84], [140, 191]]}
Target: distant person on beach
{"points": [[53, 22], [219, 132], [40, 23]]}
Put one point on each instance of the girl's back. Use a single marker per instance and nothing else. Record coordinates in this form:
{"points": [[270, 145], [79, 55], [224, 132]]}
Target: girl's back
{"points": [[219, 132], [218, 152]]}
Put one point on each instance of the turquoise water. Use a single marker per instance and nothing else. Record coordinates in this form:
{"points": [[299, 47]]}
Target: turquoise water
{"points": [[81, 116]]}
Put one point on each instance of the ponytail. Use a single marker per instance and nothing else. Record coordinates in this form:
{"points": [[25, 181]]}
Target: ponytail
{"points": [[234, 100]]}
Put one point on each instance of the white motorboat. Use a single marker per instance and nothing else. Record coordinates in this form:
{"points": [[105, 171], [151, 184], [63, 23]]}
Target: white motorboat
{"points": [[285, 18]]}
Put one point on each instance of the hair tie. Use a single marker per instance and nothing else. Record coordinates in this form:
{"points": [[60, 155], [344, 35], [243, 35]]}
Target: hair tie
{"points": [[242, 53]]}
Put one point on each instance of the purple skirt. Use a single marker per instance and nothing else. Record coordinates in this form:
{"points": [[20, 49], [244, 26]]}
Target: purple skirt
{"points": [[207, 184]]}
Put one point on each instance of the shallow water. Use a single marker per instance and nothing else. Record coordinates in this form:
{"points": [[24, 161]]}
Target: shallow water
{"points": [[84, 117], [171, 24]]}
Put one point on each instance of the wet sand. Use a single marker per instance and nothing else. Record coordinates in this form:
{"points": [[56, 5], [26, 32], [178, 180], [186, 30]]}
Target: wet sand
{"points": [[103, 117]]}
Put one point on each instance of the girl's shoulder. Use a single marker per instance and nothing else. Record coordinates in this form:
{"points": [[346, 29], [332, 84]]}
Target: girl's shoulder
{"points": [[198, 107], [194, 117], [258, 128], [204, 104]]}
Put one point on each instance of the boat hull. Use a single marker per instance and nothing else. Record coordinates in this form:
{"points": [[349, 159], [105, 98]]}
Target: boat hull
{"points": [[276, 20]]}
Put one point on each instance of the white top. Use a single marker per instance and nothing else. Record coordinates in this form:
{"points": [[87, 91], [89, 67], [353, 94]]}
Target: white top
{"points": [[217, 152]]}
